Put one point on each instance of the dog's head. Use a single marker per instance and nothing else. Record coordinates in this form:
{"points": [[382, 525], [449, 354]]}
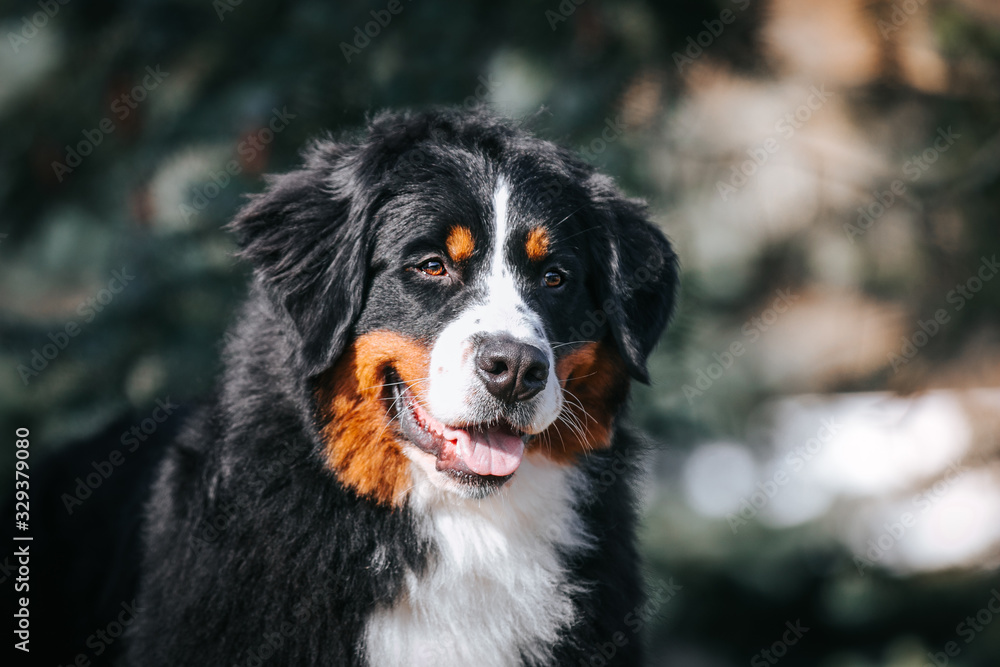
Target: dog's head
{"points": [[461, 295]]}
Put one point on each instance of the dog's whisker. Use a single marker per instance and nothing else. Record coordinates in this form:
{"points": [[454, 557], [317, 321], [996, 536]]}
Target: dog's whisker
{"points": [[574, 427], [570, 215], [571, 342], [579, 430], [394, 384], [576, 418], [582, 231], [575, 400]]}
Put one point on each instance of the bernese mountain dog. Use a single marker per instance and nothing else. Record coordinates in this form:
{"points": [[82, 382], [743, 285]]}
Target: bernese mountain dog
{"points": [[416, 454]]}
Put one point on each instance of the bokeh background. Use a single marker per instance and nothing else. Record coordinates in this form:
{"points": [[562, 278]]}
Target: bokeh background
{"points": [[826, 405]]}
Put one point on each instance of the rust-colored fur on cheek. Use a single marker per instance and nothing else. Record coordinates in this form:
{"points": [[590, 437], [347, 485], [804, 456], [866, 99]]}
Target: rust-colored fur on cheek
{"points": [[361, 447], [596, 384], [460, 243], [537, 245]]}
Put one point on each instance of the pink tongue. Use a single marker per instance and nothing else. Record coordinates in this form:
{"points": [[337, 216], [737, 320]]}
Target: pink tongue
{"points": [[494, 451]]}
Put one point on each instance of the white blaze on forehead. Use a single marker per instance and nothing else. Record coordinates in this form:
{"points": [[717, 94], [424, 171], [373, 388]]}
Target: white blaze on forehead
{"points": [[455, 390], [501, 197], [505, 310]]}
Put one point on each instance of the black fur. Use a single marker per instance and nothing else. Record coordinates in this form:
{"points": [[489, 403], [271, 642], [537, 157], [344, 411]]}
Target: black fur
{"points": [[251, 543]]}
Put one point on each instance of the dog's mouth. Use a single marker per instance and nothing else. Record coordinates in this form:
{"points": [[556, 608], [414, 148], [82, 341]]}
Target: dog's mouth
{"points": [[482, 455]]}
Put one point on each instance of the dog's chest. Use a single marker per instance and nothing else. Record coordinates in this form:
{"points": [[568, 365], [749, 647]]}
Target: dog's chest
{"points": [[497, 592]]}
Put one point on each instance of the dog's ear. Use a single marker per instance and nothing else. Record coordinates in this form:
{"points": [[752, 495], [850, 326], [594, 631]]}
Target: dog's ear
{"points": [[306, 238], [637, 277]]}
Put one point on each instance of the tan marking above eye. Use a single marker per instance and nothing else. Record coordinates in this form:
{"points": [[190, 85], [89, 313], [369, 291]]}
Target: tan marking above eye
{"points": [[460, 243], [537, 244]]}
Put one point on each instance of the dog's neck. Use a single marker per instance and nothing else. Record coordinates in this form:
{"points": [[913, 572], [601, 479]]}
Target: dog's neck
{"points": [[496, 590]]}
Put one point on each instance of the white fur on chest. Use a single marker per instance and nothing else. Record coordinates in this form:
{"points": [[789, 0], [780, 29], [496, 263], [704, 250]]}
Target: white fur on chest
{"points": [[496, 592]]}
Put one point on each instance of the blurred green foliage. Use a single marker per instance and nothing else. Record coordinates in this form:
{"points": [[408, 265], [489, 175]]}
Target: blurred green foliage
{"points": [[151, 195]]}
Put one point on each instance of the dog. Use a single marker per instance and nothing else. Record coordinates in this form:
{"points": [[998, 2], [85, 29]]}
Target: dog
{"points": [[416, 454]]}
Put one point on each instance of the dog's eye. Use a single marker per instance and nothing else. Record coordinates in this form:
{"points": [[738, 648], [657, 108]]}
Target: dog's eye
{"points": [[553, 279], [433, 267]]}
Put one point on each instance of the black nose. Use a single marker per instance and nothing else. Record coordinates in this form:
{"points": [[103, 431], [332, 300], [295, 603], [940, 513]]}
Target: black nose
{"points": [[511, 371]]}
